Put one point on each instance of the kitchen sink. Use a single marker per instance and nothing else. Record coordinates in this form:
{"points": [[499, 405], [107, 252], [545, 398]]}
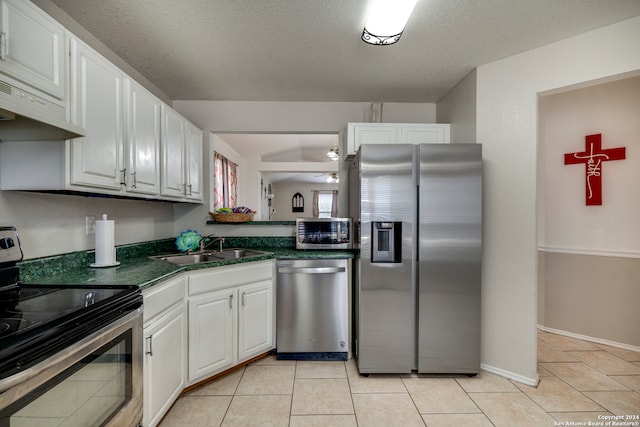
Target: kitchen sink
{"points": [[234, 253], [208, 256]]}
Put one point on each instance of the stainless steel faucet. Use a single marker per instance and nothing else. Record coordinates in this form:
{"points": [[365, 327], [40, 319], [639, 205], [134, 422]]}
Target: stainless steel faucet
{"points": [[209, 240]]}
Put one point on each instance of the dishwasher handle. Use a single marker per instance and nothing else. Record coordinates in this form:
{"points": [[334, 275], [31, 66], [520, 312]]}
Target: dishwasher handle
{"points": [[311, 270]]}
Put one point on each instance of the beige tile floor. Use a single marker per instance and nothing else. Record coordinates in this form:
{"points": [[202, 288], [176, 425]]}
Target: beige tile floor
{"points": [[579, 382]]}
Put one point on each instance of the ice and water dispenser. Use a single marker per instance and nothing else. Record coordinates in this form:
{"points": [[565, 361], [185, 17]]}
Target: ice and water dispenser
{"points": [[387, 242]]}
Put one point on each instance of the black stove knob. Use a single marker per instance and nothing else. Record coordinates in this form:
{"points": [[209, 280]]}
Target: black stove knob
{"points": [[6, 243]]}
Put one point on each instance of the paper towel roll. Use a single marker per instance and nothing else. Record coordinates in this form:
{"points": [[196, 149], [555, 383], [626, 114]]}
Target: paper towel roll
{"points": [[105, 242]]}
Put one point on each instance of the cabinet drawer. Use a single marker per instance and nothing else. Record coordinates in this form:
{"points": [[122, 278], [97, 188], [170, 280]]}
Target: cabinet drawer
{"points": [[229, 276], [163, 296]]}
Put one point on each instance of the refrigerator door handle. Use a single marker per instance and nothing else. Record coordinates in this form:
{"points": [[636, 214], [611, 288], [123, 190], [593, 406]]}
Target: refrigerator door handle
{"points": [[312, 270]]}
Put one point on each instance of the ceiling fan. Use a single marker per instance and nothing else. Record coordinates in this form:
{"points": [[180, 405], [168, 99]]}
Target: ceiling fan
{"points": [[333, 153], [332, 178]]}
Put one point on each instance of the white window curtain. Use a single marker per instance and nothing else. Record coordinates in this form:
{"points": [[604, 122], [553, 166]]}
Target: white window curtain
{"points": [[225, 182]]}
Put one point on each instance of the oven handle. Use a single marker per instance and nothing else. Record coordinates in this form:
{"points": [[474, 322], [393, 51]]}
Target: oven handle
{"points": [[60, 360]]}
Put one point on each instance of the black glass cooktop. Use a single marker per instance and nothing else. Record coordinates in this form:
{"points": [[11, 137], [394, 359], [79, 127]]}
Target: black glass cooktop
{"points": [[26, 307], [36, 321]]}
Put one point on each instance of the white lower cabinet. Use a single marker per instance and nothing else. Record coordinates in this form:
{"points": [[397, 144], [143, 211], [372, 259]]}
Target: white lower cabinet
{"points": [[211, 333], [255, 324], [219, 317], [231, 317], [165, 348]]}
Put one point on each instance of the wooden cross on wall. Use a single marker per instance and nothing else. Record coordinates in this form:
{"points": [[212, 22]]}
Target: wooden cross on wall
{"points": [[592, 157]]}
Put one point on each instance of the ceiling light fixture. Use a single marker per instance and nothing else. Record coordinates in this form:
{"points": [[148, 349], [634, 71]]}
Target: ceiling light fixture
{"points": [[333, 154], [386, 21]]}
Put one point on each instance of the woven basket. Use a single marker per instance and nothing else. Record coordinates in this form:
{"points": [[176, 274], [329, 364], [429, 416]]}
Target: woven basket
{"points": [[232, 217]]}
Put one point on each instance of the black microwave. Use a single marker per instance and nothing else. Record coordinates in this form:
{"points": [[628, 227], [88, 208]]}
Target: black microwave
{"points": [[324, 233]]}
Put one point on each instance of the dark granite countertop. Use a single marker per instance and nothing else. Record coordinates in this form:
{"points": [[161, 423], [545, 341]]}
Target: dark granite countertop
{"points": [[136, 268]]}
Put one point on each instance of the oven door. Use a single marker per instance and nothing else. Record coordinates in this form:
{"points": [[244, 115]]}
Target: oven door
{"points": [[95, 382]]}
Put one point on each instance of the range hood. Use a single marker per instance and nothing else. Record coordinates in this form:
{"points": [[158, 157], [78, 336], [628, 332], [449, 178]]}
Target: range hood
{"points": [[27, 117]]}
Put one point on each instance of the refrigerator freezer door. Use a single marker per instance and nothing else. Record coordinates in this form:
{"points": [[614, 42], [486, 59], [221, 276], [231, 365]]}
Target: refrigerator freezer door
{"points": [[385, 294], [450, 193]]}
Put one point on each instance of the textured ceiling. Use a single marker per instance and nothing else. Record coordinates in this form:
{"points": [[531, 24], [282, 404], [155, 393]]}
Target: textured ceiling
{"points": [[310, 50]]}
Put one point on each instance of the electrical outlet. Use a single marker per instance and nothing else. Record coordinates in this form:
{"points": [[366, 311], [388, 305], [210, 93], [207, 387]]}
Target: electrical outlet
{"points": [[90, 224]]}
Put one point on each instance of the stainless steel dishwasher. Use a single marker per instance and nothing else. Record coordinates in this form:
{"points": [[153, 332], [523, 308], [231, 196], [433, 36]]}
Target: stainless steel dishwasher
{"points": [[312, 309]]}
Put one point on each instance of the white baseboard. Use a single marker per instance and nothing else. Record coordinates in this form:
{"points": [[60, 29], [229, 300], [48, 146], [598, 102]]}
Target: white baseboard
{"points": [[590, 339], [591, 252], [510, 375]]}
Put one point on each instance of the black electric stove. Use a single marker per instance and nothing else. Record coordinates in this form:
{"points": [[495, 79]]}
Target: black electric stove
{"points": [[37, 321]]}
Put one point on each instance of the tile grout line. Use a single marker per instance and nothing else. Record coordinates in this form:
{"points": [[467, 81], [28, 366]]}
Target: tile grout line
{"points": [[293, 390], [353, 405], [581, 392]]}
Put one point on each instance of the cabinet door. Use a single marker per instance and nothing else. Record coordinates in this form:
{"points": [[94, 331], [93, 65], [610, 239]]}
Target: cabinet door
{"points": [[211, 333], [143, 139], [424, 134], [172, 148], [97, 106], [255, 319], [32, 47], [369, 133], [164, 364], [194, 162]]}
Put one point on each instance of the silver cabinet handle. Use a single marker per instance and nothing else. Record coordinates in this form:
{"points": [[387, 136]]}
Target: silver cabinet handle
{"points": [[189, 187], [244, 298], [123, 176], [135, 181], [150, 351], [3, 46], [231, 301], [311, 270]]}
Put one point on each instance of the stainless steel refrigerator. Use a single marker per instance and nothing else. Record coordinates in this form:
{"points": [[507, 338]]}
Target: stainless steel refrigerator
{"points": [[418, 215]]}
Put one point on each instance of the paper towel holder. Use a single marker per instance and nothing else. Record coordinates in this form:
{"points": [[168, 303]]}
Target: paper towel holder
{"points": [[109, 230]]}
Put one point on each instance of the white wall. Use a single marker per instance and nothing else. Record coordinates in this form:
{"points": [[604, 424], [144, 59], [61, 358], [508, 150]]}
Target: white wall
{"points": [[280, 117], [458, 107], [247, 116], [284, 192], [507, 128], [591, 253], [612, 109], [50, 224]]}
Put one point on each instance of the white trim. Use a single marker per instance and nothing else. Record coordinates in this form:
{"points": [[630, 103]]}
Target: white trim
{"points": [[510, 375], [582, 251], [590, 339]]}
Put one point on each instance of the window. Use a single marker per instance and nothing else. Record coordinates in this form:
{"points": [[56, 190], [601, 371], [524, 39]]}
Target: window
{"points": [[325, 203], [225, 182]]}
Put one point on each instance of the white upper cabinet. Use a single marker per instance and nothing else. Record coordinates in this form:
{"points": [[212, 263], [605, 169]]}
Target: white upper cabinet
{"points": [[134, 144], [194, 157], [172, 147], [142, 136], [97, 106], [394, 133], [32, 48], [424, 133], [181, 147]]}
